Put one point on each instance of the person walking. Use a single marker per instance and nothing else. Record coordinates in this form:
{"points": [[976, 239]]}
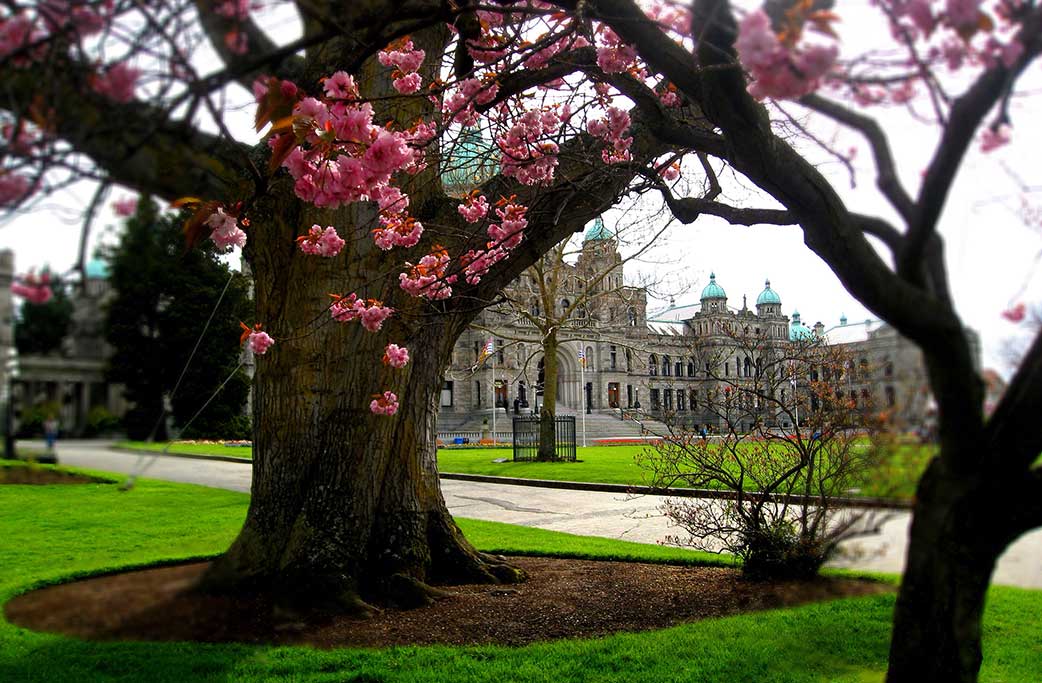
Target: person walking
{"points": [[50, 433]]}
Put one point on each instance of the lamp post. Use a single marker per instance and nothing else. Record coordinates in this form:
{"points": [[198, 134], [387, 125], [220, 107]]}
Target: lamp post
{"points": [[10, 371]]}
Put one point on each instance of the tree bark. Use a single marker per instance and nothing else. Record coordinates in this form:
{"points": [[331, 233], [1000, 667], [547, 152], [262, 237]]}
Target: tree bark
{"points": [[345, 505], [956, 538], [548, 412]]}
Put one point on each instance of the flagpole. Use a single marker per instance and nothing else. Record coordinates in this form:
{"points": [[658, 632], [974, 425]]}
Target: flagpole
{"points": [[582, 392], [494, 409]]}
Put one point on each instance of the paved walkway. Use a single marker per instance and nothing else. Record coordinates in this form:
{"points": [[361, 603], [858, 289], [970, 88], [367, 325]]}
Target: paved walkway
{"points": [[578, 512]]}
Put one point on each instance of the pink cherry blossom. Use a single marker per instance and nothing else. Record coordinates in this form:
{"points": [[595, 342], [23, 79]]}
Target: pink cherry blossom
{"points": [[340, 86], [406, 58], [226, 231], [1015, 314], [396, 356], [321, 242], [611, 129], [372, 318], [260, 342], [474, 208], [408, 84], [963, 13], [384, 404], [13, 187], [427, 279], [34, 289], [117, 82], [993, 138], [125, 206]]}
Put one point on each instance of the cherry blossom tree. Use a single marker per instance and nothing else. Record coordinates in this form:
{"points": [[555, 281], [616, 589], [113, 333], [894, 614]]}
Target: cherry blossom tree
{"points": [[585, 101]]}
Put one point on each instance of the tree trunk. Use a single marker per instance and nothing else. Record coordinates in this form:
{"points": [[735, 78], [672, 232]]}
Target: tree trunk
{"points": [[956, 538], [345, 505], [548, 413]]}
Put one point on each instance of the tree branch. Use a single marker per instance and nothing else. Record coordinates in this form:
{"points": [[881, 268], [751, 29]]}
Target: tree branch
{"points": [[887, 179], [134, 143], [244, 66], [1012, 433]]}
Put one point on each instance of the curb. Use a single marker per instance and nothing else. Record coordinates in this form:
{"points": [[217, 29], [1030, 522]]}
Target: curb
{"points": [[191, 456], [712, 494]]}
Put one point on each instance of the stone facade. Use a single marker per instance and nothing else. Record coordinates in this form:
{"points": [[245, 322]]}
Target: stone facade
{"points": [[73, 376], [656, 363]]}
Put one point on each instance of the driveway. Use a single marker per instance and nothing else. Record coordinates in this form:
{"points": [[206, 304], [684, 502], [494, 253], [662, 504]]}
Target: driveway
{"points": [[578, 512]]}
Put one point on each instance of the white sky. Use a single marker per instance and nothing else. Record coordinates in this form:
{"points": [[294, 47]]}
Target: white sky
{"points": [[992, 256]]}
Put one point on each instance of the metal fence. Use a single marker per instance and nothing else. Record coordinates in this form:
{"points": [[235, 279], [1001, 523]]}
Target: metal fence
{"points": [[526, 438]]}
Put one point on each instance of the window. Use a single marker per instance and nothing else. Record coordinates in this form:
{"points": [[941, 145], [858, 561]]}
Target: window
{"points": [[652, 365], [888, 369], [534, 307], [629, 361], [655, 403], [668, 396], [499, 354], [891, 397], [589, 358], [691, 368], [694, 399], [631, 314], [747, 367], [446, 395], [477, 350], [565, 303], [612, 358], [678, 369], [666, 365], [477, 393], [680, 399]]}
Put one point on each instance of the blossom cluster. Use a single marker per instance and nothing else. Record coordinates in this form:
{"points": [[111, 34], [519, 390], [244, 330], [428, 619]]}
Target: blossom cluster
{"points": [[427, 279], [777, 70], [613, 55], [259, 342], [612, 129], [321, 242], [125, 206], [396, 356], [226, 230], [370, 312], [459, 103], [384, 404], [405, 59], [36, 289], [529, 155], [504, 236], [13, 187], [117, 82]]}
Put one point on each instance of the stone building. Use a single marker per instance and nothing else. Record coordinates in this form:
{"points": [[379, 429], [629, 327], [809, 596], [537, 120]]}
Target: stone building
{"points": [[73, 376], [658, 363]]}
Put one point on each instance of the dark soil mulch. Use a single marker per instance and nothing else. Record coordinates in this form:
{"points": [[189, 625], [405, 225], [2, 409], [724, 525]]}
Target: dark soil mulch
{"points": [[26, 474], [561, 599]]}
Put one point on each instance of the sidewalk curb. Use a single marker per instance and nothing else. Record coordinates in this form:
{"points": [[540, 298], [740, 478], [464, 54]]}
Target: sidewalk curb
{"points": [[191, 456], [712, 494]]}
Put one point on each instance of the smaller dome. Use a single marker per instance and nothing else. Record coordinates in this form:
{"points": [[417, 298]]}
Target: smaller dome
{"points": [[96, 269], [597, 232], [468, 161], [713, 290], [768, 295], [797, 330]]}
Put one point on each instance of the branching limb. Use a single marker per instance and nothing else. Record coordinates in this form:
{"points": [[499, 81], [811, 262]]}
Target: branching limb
{"points": [[1015, 441]]}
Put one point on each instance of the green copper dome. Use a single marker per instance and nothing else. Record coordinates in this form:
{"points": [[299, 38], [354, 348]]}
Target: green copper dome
{"points": [[469, 161], [768, 295], [713, 290], [797, 330], [97, 269], [597, 231]]}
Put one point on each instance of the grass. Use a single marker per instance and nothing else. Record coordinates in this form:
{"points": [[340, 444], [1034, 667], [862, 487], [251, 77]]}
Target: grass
{"points": [[599, 464], [54, 532]]}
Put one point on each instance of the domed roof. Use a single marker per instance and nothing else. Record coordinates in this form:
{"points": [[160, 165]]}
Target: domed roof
{"points": [[768, 295], [713, 290], [97, 269], [468, 162], [797, 330], [597, 231]]}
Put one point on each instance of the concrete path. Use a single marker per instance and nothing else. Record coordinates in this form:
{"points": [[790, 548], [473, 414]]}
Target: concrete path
{"points": [[578, 512]]}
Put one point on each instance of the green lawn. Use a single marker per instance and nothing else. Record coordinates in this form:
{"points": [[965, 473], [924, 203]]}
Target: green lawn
{"points": [[53, 532], [598, 464]]}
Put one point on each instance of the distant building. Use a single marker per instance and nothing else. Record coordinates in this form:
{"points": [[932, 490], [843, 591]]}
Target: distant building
{"points": [[72, 377]]}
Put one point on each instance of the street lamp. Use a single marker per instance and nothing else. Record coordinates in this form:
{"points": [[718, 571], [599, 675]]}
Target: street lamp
{"points": [[10, 371]]}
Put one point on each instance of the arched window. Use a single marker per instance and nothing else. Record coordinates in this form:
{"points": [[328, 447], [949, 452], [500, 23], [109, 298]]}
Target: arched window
{"points": [[652, 365], [747, 367], [691, 368], [694, 399], [589, 358], [580, 312], [565, 303], [534, 308], [678, 369], [631, 314], [665, 366]]}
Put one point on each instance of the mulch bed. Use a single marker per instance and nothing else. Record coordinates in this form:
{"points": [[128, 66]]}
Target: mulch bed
{"points": [[25, 474], [561, 599]]}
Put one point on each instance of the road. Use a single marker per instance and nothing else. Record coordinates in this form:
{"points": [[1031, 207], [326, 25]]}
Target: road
{"points": [[579, 512]]}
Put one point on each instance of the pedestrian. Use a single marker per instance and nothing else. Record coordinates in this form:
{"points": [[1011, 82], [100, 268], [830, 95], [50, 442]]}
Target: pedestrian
{"points": [[50, 432]]}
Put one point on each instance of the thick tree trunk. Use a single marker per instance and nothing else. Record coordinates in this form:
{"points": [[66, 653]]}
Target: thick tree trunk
{"points": [[548, 413], [956, 537], [346, 505]]}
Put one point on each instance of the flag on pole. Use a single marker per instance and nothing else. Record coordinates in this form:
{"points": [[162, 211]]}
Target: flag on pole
{"points": [[487, 350], [582, 358]]}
